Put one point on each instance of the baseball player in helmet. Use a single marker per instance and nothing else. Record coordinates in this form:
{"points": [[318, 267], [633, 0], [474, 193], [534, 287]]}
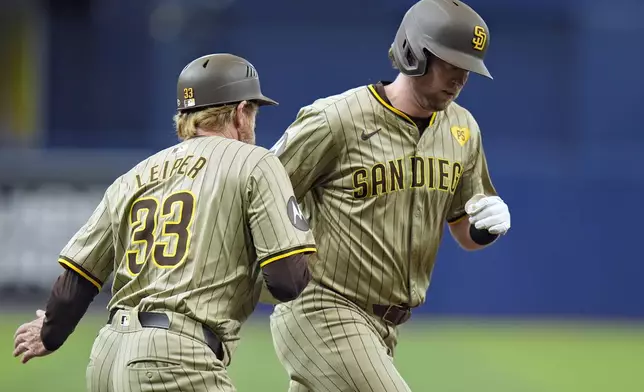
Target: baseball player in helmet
{"points": [[381, 169], [187, 233], [220, 87]]}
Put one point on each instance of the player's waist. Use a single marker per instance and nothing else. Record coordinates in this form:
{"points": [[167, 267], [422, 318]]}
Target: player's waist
{"points": [[395, 313], [171, 321]]}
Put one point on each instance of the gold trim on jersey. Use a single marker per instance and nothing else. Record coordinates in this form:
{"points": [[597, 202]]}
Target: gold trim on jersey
{"points": [[394, 110], [307, 249], [80, 271]]}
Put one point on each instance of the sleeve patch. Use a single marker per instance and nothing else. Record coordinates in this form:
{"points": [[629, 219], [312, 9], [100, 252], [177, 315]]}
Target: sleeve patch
{"points": [[295, 215]]}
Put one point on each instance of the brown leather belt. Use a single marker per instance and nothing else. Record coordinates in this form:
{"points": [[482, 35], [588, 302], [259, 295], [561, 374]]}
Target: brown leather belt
{"points": [[161, 320], [394, 314]]}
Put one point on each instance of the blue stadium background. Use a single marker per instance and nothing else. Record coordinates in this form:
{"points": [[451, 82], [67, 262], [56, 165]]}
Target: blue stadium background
{"points": [[87, 89], [560, 121]]}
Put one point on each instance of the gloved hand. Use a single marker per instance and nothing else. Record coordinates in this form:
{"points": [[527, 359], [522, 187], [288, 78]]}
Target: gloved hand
{"points": [[488, 213]]}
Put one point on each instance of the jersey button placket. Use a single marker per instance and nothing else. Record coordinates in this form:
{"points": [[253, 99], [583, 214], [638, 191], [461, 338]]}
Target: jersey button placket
{"points": [[417, 223], [417, 227], [413, 131]]}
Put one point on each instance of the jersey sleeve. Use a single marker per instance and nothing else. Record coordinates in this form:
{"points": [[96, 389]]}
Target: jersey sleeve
{"points": [[276, 223], [90, 252], [307, 150], [475, 179]]}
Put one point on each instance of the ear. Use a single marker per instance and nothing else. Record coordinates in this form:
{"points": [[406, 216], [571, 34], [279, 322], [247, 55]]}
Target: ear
{"points": [[239, 114]]}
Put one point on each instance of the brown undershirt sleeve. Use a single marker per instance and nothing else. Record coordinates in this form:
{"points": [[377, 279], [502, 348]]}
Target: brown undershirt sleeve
{"points": [[287, 277], [70, 297]]}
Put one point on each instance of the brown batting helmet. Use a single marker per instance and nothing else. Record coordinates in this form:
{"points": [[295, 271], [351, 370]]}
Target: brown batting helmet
{"points": [[219, 79], [449, 29]]}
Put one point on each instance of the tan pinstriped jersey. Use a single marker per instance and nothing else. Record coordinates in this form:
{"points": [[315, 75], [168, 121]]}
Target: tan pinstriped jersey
{"points": [[187, 230], [377, 193]]}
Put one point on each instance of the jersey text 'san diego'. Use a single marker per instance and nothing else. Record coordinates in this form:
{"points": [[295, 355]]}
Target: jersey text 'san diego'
{"points": [[378, 193]]}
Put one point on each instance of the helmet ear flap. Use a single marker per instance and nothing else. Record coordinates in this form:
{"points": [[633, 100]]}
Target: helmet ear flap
{"points": [[427, 60], [411, 60], [407, 60], [417, 64], [421, 65]]}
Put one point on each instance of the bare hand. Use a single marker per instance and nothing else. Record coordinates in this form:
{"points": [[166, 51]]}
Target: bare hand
{"points": [[27, 339]]}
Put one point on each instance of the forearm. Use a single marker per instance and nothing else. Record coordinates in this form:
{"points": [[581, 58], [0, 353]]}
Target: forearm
{"points": [[469, 237], [70, 297]]}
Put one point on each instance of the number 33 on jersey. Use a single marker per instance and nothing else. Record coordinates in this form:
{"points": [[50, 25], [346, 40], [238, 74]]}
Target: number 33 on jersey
{"points": [[175, 229], [174, 216]]}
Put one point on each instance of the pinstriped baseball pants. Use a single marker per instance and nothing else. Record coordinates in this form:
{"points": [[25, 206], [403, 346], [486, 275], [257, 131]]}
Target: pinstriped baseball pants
{"points": [[129, 358], [328, 344]]}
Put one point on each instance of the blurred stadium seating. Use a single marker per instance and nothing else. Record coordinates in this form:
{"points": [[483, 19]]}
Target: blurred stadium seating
{"points": [[87, 88]]}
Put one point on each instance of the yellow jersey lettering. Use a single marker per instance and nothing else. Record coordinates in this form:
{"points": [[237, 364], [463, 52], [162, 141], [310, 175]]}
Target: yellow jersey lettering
{"points": [[361, 189], [430, 172]]}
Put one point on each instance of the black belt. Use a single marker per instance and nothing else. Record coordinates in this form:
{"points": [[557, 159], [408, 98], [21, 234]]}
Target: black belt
{"points": [[161, 320], [394, 314]]}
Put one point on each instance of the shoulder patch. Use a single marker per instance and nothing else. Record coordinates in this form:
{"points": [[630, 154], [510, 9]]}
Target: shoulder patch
{"points": [[295, 215]]}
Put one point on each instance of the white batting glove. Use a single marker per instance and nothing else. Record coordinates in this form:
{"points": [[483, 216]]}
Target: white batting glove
{"points": [[488, 213]]}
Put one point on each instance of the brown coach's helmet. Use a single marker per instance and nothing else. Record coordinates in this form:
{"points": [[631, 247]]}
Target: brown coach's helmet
{"points": [[449, 29], [218, 79]]}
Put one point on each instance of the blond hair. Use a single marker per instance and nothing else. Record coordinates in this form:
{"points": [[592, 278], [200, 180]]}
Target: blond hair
{"points": [[213, 119], [391, 58]]}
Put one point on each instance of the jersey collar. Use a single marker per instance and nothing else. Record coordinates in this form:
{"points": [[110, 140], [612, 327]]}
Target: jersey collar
{"points": [[378, 92]]}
